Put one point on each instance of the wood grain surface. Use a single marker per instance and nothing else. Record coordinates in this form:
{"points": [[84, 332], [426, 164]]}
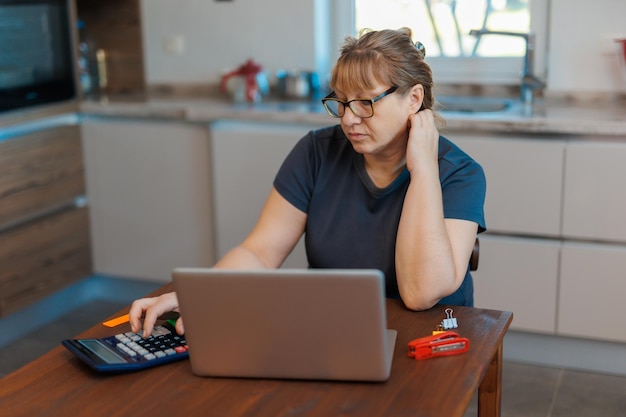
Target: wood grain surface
{"points": [[59, 384]]}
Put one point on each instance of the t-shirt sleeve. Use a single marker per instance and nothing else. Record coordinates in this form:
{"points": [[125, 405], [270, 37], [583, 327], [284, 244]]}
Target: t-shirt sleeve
{"points": [[295, 178], [464, 188]]}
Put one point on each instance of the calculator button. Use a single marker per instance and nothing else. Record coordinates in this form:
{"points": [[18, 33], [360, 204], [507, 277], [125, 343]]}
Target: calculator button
{"points": [[124, 349], [160, 330], [139, 350], [161, 343]]}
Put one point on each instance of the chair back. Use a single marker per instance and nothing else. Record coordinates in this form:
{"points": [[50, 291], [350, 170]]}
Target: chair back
{"points": [[474, 257]]}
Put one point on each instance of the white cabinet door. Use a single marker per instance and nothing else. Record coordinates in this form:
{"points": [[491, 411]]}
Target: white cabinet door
{"points": [[592, 288], [246, 157], [524, 181], [519, 275], [148, 185], [595, 195]]}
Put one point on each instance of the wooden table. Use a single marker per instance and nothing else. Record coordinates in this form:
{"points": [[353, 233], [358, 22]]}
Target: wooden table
{"points": [[58, 384]]}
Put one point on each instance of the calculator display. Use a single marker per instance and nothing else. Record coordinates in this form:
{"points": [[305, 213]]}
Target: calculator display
{"points": [[102, 351]]}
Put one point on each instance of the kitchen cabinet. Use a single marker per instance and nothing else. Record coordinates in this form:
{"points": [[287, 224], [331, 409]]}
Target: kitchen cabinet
{"points": [[547, 274], [524, 181], [44, 225], [245, 159], [520, 253], [591, 292], [149, 189], [519, 275], [594, 226], [594, 201]]}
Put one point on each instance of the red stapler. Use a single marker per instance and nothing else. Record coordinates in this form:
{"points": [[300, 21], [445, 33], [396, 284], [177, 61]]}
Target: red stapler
{"points": [[442, 344]]}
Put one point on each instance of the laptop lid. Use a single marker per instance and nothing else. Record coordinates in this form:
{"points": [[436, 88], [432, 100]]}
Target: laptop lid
{"points": [[286, 323]]}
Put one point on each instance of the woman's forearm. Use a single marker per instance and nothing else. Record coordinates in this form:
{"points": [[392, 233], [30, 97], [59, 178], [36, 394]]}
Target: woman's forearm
{"points": [[241, 257], [424, 261]]}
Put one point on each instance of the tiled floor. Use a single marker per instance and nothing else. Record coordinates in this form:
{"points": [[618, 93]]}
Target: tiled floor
{"points": [[535, 391], [528, 391]]}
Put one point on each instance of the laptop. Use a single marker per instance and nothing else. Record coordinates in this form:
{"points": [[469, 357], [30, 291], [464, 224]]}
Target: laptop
{"points": [[315, 324]]}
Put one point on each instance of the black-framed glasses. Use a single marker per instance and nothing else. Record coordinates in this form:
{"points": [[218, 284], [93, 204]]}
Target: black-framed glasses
{"points": [[361, 107]]}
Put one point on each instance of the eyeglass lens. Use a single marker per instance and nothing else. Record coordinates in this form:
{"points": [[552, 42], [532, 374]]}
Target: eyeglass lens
{"points": [[361, 108]]}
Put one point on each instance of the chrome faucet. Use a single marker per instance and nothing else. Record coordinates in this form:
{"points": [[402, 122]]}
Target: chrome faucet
{"points": [[529, 81]]}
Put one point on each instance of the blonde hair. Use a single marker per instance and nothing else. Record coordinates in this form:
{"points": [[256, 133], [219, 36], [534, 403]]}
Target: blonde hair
{"points": [[387, 57]]}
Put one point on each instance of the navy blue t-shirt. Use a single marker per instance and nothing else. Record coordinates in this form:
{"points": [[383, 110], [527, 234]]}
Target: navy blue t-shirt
{"points": [[351, 223]]}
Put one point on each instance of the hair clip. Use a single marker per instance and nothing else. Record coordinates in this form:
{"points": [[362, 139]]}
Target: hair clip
{"points": [[421, 48]]}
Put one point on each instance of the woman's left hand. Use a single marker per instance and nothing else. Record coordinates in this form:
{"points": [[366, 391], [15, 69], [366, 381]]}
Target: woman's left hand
{"points": [[423, 142]]}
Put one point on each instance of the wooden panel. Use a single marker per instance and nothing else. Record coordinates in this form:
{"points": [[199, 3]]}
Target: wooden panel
{"points": [[39, 171], [42, 256], [63, 386], [115, 26]]}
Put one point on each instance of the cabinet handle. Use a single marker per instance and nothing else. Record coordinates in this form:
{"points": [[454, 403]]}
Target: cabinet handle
{"points": [[74, 203]]}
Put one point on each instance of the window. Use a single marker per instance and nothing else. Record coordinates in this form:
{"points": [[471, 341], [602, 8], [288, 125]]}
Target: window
{"points": [[443, 26]]}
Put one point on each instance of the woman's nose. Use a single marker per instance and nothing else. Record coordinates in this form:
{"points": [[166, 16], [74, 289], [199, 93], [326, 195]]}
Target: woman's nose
{"points": [[349, 118]]}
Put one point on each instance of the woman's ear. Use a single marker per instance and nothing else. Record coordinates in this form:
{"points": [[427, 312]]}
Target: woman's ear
{"points": [[416, 98]]}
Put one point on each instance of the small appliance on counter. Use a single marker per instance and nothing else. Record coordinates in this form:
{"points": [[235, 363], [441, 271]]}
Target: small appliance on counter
{"points": [[246, 83], [297, 84]]}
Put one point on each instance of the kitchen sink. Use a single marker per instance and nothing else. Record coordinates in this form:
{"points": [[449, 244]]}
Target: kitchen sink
{"points": [[476, 104], [446, 105]]}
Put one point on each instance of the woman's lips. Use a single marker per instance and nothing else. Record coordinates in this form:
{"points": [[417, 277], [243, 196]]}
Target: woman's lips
{"points": [[356, 136]]}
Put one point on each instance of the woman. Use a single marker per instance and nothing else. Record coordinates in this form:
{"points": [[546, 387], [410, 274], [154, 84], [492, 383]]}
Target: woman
{"points": [[381, 190]]}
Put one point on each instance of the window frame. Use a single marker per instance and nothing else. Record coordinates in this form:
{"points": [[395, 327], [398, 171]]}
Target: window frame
{"points": [[459, 70]]}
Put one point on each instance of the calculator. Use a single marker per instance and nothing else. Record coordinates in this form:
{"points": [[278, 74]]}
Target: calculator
{"points": [[129, 351]]}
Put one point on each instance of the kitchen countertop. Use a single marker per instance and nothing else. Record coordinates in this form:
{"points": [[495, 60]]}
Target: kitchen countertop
{"points": [[550, 117], [606, 119]]}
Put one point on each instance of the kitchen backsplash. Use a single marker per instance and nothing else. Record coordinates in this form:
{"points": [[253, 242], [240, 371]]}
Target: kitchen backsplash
{"points": [[190, 42]]}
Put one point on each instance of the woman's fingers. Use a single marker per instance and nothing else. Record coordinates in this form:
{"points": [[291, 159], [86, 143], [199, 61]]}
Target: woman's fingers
{"points": [[148, 310]]}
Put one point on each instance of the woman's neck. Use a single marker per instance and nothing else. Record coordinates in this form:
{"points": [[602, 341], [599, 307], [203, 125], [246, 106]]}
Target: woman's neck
{"points": [[383, 171]]}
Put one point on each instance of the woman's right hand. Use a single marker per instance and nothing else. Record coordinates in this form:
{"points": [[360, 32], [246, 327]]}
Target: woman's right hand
{"points": [[149, 309], [423, 145]]}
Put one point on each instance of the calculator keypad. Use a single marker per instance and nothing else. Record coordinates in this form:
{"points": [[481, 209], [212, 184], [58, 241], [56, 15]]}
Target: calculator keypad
{"points": [[161, 343]]}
